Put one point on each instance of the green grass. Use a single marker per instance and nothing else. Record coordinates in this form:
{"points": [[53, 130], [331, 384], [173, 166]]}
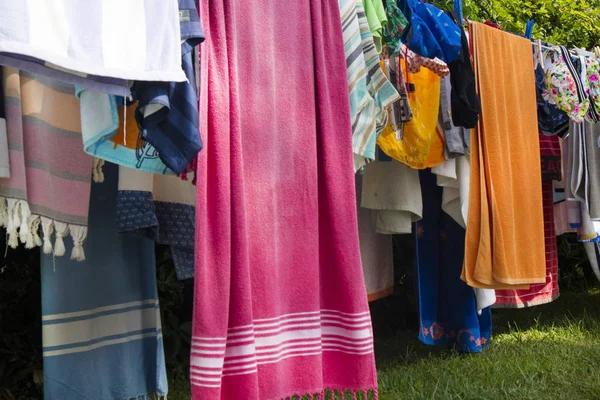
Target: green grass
{"points": [[545, 352]]}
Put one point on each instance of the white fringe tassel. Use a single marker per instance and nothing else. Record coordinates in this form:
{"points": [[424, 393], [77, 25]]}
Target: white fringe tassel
{"points": [[78, 233], [13, 223], [62, 230], [21, 225], [47, 229], [97, 173]]}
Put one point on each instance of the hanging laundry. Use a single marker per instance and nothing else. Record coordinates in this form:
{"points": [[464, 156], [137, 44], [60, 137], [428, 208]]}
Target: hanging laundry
{"points": [[414, 62], [119, 87], [548, 291], [456, 138], [161, 208], [447, 306], [50, 174], [4, 148], [103, 315], [84, 37], [505, 227], [167, 113], [370, 90], [579, 183], [551, 119], [465, 102], [416, 148], [391, 190], [277, 241], [400, 111], [108, 137], [454, 176], [565, 86], [430, 32], [377, 19], [376, 252], [393, 29]]}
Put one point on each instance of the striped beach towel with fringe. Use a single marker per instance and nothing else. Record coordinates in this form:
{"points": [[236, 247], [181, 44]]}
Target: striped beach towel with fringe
{"points": [[50, 178]]}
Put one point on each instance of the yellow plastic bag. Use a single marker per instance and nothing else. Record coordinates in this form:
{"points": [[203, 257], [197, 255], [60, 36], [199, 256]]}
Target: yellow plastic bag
{"points": [[422, 145]]}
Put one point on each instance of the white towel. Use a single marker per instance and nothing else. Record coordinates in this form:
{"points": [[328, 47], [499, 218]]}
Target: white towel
{"points": [[133, 39]]}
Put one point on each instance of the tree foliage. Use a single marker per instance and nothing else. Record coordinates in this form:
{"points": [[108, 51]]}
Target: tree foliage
{"points": [[573, 23]]}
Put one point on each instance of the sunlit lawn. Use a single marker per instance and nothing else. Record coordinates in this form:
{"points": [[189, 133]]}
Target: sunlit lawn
{"points": [[545, 352]]}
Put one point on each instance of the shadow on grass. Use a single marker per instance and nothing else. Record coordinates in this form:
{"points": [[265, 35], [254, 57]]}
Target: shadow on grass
{"points": [[398, 343]]}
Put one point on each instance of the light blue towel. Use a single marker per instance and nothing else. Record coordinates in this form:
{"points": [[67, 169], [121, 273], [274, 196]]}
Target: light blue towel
{"points": [[100, 122], [101, 327]]}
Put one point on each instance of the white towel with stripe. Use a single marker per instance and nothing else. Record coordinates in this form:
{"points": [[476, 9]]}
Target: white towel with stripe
{"points": [[132, 39]]}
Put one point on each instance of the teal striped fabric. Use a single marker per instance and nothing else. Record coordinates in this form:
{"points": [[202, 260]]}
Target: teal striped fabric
{"points": [[370, 90]]}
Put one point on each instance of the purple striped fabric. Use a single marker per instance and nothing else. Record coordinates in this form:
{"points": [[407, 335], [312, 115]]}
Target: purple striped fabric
{"points": [[50, 173]]}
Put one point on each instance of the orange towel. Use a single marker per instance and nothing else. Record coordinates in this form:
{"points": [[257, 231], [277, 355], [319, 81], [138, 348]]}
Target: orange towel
{"points": [[505, 228]]}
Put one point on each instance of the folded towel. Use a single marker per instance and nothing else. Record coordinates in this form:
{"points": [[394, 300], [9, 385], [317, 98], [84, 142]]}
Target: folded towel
{"points": [[505, 227], [133, 40], [50, 174]]}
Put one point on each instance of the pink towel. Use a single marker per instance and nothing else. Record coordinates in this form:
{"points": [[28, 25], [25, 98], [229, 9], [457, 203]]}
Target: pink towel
{"points": [[280, 302]]}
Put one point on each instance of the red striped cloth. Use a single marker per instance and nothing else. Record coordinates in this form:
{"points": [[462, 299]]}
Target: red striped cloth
{"points": [[545, 292]]}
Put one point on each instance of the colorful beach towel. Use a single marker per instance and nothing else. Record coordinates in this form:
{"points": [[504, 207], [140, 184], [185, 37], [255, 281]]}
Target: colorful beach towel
{"points": [[85, 37], [448, 308], [505, 227], [280, 301], [161, 208], [102, 336], [50, 174]]}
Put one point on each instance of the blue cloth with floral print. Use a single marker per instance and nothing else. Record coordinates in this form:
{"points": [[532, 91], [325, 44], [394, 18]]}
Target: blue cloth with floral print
{"points": [[447, 305], [551, 119]]}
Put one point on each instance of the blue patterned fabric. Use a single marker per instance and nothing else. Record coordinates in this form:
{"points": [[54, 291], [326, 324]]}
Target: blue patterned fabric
{"points": [[170, 224], [447, 305], [430, 32], [551, 119], [102, 335]]}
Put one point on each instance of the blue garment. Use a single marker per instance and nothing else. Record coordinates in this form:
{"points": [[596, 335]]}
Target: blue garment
{"points": [[430, 32], [173, 128], [167, 223], [101, 327], [447, 305], [551, 119]]}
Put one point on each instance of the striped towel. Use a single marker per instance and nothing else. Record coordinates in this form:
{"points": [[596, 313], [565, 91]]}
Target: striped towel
{"points": [[50, 174], [101, 329], [133, 39], [370, 90], [162, 208]]}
